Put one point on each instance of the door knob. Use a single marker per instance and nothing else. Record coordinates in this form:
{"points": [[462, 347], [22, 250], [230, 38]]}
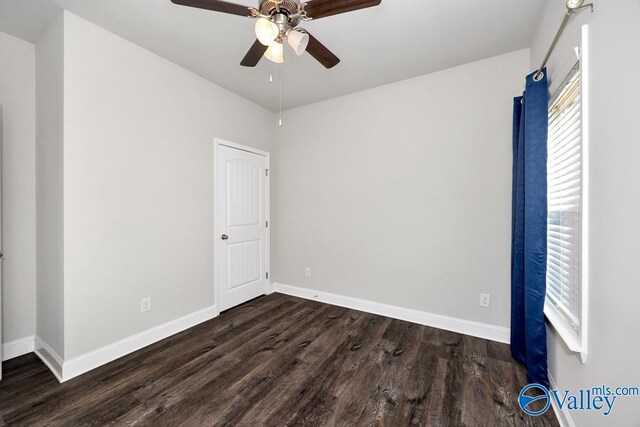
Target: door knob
{"points": [[224, 237]]}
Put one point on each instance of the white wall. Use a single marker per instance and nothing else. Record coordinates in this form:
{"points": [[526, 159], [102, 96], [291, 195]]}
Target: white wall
{"points": [[402, 194], [17, 98], [138, 184], [615, 206], [49, 182]]}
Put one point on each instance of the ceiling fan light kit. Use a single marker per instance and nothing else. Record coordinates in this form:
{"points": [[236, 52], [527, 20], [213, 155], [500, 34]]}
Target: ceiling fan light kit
{"points": [[298, 40], [266, 31], [277, 22], [275, 52]]}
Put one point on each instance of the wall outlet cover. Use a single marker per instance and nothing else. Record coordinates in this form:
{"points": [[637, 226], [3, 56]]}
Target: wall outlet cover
{"points": [[485, 300], [145, 305]]}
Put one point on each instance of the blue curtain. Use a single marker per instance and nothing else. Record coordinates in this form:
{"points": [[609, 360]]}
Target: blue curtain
{"points": [[529, 229]]}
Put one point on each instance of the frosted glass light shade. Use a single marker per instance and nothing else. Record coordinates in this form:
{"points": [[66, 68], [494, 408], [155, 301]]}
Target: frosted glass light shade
{"points": [[275, 53], [266, 31], [298, 41]]}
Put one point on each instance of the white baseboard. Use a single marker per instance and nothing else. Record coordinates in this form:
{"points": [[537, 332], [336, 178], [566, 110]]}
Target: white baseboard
{"points": [[563, 416], [467, 327], [271, 288], [17, 348], [88, 361], [65, 370], [49, 357]]}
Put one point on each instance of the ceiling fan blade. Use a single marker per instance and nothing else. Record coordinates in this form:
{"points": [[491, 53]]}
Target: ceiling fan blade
{"points": [[218, 6], [322, 8], [254, 55], [321, 53]]}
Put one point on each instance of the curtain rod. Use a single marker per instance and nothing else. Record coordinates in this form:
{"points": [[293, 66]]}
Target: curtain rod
{"points": [[573, 7]]}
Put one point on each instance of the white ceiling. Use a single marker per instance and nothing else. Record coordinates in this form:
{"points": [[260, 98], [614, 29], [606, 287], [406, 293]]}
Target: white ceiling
{"points": [[397, 40]]}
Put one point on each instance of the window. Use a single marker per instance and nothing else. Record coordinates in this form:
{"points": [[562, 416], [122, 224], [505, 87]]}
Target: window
{"points": [[566, 267], [564, 245]]}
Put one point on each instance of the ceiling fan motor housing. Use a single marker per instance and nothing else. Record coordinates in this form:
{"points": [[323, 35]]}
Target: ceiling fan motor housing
{"points": [[289, 8]]}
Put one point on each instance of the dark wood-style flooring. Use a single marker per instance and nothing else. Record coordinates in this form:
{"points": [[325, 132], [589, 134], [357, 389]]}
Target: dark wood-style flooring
{"points": [[279, 360]]}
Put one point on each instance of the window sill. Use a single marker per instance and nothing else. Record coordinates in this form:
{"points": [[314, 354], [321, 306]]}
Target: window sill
{"points": [[569, 335]]}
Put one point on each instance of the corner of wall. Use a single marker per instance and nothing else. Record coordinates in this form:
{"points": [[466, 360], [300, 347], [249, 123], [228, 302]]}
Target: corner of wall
{"points": [[49, 215]]}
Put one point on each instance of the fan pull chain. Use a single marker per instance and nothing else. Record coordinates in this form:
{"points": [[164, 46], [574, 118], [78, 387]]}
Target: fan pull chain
{"points": [[280, 120], [280, 81], [279, 94]]}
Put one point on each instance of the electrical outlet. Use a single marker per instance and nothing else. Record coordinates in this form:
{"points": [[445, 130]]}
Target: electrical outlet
{"points": [[145, 304], [307, 272], [485, 300]]}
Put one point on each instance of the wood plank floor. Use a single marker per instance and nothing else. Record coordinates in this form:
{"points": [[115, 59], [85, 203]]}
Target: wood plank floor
{"points": [[279, 360]]}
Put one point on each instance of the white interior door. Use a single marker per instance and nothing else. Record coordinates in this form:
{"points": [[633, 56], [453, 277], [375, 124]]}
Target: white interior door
{"points": [[242, 224]]}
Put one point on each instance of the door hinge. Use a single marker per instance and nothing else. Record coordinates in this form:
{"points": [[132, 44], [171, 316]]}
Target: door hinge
{"points": [[267, 274], [266, 172], [266, 224]]}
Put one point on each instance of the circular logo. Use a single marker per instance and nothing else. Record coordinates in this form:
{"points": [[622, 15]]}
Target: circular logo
{"points": [[525, 400]]}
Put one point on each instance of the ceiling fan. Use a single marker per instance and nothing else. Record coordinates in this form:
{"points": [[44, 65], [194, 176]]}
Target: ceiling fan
{"points": [[277, 22]]}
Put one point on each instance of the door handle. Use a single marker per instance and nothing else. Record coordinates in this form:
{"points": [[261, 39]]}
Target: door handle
{"points": [[224, 237]]}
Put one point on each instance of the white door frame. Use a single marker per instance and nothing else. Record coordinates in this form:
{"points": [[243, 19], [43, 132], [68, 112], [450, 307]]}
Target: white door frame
{"points": [[217, 142]]}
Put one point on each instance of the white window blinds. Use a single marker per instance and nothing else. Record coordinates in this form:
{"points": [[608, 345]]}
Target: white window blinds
{"points": [[564, 225]]}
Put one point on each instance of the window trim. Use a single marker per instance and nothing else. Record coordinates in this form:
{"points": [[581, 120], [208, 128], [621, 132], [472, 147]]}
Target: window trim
{"points": [[577, 341]]}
